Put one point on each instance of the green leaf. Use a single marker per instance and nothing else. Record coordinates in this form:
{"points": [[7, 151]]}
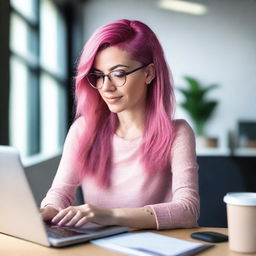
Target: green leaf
{"points": [[196, 104], [193, 83], [210, 87]]}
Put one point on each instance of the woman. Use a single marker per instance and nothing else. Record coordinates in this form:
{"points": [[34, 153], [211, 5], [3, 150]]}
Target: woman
{"points": [[137, 167]]}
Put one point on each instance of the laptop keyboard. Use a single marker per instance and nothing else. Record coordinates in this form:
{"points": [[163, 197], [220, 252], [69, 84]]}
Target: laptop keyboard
{"points": [[60, 232]]}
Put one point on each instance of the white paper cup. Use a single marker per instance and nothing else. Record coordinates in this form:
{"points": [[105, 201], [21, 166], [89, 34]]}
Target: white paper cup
{"points": [[241, 214]]}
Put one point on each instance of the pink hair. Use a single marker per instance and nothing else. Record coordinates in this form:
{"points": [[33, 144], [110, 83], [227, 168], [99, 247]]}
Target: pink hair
{"points": [[95, 150]]}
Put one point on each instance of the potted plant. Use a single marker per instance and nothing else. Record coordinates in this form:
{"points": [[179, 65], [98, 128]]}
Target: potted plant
{"points": [[199, 108]]}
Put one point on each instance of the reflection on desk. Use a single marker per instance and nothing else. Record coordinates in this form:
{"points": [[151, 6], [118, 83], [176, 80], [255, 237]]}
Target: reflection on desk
{"points": [[10, 246]]}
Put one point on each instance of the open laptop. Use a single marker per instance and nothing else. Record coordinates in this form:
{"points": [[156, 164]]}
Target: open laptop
{"points": [[20, 216]]}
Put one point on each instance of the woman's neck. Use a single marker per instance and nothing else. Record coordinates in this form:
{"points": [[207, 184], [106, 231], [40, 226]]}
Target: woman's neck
{"points": [[131, 124]]}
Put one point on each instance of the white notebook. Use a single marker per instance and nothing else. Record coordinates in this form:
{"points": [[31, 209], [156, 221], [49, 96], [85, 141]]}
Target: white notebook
{"points": [[148, 243]]}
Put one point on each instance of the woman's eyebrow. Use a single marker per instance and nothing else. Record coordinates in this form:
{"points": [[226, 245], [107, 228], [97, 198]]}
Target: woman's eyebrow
{"points": [[117, 66], [112, 68]]}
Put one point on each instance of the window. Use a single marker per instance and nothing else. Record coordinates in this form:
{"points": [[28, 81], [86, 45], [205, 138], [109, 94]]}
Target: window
{"points": [[38, 77]]}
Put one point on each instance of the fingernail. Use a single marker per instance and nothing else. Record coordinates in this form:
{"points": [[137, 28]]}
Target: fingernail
{"points": [[67, 224], [54, 221]]}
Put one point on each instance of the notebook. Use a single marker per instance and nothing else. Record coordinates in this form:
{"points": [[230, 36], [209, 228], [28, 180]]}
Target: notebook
{"points": [[148, 243], [20, 216]]}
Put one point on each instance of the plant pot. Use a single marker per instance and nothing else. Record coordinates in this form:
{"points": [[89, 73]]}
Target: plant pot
{"points": [[206, 142]]}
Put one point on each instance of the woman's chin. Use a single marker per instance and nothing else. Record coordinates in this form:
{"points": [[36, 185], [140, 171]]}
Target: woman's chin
{"points": [[115, 109]]}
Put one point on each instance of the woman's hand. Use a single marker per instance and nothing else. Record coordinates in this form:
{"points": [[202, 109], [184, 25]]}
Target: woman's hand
{"points": [[76, 216], [48, 212]]}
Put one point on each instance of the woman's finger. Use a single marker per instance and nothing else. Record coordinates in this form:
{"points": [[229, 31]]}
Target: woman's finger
{"points": [[67, 218], [59, 216], [75, 218], [63, 216], [81, 222]]}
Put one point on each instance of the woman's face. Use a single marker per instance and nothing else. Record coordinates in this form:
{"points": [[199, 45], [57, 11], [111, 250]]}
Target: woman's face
{"points": [[132, 95]]}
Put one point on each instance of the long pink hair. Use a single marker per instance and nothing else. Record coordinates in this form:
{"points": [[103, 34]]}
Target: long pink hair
{"points": [[95, 147]]}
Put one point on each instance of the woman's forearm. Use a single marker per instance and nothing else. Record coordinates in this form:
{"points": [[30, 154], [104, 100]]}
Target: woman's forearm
{"points": [[141, 218], [77, 216]]}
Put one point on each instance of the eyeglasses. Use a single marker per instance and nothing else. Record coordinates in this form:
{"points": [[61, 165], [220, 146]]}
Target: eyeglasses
{"points": [[117, 77]]}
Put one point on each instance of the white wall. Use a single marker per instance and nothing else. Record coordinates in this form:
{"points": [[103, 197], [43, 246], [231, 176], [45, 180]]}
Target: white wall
{"points": [[219, 47]]}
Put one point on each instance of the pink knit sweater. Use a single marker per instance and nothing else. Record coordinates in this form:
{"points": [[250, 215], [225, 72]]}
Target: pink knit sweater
{"points": [[172, 194]]}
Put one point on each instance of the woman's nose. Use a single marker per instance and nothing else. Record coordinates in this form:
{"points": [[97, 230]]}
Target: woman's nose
{"points": [[108, 84]]}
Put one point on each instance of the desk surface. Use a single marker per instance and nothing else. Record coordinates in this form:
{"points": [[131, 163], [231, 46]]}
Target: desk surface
{"points": [[10, 246]]}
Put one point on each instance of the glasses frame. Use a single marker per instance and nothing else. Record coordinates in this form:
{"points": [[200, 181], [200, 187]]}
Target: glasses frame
{"points": [[108, 76]]}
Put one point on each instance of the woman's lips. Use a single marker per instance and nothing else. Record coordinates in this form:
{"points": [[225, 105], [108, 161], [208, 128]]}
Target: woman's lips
{"points": [[113, 99]]}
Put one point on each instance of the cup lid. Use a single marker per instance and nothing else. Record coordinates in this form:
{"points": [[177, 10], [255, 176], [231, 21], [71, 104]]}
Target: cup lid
{"points": [[240, 198]]}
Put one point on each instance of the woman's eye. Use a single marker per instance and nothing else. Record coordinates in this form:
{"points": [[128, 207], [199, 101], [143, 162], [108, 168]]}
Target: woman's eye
{"points": [[119, 73], [98, 76]]}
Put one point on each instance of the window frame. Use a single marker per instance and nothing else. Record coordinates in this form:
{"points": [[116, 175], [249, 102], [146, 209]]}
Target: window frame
{"points": [[73, 16], [32, 64], [34, 138]]}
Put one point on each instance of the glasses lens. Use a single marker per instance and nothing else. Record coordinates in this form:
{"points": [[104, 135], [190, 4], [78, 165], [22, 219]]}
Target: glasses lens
{"points": [[96, 80], [118, 77]]}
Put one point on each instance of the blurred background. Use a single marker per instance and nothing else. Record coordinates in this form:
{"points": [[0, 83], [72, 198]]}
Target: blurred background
{"points": [[211, 41]]}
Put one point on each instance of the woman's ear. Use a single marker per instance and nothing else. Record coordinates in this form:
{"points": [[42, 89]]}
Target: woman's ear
{"points": [[150, 73]]}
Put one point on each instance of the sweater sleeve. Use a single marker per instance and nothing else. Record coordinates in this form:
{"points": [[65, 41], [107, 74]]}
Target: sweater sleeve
{"points": [[65, 183], [183, 209]]}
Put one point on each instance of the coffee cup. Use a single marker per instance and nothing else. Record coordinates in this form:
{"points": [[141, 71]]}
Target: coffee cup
{"points": [[241, 214]]}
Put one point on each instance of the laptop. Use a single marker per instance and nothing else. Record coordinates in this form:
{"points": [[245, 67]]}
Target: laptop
{"points": [[20, 216]]}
